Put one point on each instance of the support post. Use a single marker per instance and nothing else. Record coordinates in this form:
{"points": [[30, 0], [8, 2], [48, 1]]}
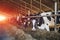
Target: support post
{"points": [[56, 11]]}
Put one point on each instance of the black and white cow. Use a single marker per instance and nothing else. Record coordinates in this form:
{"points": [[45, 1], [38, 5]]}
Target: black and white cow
{"points": [[43, 22]]}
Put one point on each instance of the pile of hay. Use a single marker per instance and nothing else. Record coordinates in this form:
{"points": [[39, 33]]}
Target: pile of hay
{"points": [[18, 34], [44, 35]]}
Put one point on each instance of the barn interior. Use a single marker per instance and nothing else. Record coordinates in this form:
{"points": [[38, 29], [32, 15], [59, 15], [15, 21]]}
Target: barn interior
{"points": [[29, 19]]}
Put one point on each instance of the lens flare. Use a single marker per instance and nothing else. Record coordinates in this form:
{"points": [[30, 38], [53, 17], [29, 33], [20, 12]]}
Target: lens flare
{"points": [[2, 18]]}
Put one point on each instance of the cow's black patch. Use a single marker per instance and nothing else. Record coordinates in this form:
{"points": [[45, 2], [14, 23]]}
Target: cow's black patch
{"points": [[41, 21], [49, 18]]}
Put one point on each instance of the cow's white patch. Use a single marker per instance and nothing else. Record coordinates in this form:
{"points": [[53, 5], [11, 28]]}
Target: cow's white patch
{"points": [[33, 22]]}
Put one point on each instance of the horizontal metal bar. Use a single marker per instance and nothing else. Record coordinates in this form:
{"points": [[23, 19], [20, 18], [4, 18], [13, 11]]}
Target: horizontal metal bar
{"points": [[41, 16]]}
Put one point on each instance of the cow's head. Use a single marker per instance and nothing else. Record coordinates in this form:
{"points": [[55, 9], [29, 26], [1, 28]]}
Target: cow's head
{"points": [[45, 14], [47, 19]]}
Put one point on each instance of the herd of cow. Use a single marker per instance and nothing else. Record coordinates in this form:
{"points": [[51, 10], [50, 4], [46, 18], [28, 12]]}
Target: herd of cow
{"points": [[40, 22]]}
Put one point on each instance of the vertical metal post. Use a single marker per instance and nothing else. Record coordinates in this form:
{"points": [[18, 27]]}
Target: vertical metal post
{"points": [[25, 9], [58, 4], [56, 10], [40, 7], [31, 6]]}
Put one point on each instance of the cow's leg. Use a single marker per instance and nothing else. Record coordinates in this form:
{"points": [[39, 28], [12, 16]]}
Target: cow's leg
{"points": [[33, 22]]}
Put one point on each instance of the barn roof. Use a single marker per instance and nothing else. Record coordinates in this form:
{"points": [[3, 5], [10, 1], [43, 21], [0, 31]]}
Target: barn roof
{"points": [[22, 6]]}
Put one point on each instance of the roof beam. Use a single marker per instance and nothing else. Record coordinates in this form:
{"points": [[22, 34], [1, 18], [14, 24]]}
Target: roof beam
{"points": [[32, 6], [20, 5], [44, 5]]}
